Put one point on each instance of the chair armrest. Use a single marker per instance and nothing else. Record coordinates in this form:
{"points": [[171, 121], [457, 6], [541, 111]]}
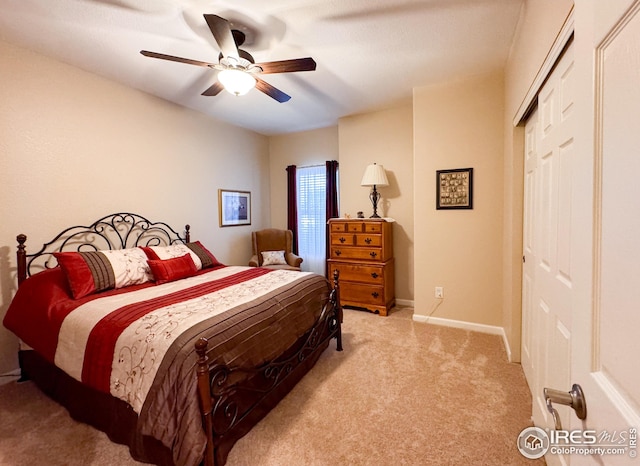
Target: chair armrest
{"points": [[253, 262], [293, 260]]}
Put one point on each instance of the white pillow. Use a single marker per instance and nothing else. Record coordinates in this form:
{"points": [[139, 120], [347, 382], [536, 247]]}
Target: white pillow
{"points": [[129, 266], [273, 258], [176, 250]]}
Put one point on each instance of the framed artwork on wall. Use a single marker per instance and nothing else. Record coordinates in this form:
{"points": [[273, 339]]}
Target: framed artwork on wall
{"points": [[454, 189], [234, 207]]}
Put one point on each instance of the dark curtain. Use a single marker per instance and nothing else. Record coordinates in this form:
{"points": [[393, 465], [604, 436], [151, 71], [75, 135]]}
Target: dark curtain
{"points": [[332, 189], [292, 209], [332, 202]]}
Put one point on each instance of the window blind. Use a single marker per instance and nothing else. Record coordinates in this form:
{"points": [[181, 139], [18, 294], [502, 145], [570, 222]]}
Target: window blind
{"points": [[311, 204]]}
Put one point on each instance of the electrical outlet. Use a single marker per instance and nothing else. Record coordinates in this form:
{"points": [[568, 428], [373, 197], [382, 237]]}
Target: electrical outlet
{"points": [[439, 292]]}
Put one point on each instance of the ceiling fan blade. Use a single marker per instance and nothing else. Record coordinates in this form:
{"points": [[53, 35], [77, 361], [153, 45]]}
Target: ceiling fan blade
{"points": [[215, 89], [221, 31], [288, 66], [271, 91], [188, 61]]}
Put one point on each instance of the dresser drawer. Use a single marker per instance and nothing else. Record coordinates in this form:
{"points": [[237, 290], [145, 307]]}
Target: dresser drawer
{"points": [[337, 226], [370, 274], [362, 293], [343, 239], [370, 254], [372, 227], [366, 240]]}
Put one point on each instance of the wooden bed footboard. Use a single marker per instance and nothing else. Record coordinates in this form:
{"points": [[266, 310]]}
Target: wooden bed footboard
{"points": [[232, 405]]}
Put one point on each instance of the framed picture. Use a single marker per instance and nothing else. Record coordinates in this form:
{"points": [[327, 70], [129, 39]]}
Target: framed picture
{"points": [[454, 189], [234, 207]]}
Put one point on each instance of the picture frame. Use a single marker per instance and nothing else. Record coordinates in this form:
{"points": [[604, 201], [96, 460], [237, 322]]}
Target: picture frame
{"points": [[234, 207], [454, 189]]}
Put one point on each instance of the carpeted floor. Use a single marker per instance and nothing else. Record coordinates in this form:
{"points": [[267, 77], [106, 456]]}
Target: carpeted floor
{"points": [[401, 393]]}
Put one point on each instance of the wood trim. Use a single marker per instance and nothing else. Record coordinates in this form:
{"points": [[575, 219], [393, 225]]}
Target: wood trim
{"points": [[562, 40]]}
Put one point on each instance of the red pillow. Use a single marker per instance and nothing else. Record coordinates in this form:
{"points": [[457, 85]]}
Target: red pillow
{"points": [[169, 270]]}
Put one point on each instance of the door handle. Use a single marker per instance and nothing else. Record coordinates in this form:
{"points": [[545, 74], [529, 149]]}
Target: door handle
{"points": [[574, 399]]}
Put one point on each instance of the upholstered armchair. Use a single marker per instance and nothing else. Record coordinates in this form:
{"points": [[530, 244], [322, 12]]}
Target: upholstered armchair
{"points": [[276, 246]]}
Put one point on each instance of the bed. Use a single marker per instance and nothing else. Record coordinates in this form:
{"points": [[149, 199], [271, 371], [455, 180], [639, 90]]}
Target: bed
{"points": [[143, 334]]}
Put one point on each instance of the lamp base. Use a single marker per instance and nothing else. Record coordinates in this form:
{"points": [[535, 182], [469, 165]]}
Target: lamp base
{"points": [[375, 197]]}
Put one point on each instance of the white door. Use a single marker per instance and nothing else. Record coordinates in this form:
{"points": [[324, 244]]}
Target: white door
{"points": [[547, 268], [581, 286], [606, 302]]}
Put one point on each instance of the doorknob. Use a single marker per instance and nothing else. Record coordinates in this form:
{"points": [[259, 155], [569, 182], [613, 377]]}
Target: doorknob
{"points": [[574, 399]]}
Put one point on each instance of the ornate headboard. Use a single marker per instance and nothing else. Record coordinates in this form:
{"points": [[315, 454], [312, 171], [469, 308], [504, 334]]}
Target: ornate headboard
{"points": [[115, 231]]}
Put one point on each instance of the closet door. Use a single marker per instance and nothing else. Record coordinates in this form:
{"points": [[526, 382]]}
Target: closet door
{"points": [[547, 268]]}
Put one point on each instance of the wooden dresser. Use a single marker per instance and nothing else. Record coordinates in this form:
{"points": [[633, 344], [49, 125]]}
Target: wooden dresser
{"points": [[362, 251]]}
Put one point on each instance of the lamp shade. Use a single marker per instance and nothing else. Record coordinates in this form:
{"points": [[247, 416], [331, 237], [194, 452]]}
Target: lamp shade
{"points": [[236, 82], [374, 175]]}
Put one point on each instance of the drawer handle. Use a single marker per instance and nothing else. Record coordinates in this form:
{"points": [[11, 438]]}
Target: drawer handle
{"points": [[338, 252], [342, 240], [375, 294], [368, 240], [374, 275], [373, 254]]}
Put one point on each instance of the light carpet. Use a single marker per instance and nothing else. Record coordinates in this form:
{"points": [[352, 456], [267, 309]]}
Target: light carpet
{"points": [[401, 393]]}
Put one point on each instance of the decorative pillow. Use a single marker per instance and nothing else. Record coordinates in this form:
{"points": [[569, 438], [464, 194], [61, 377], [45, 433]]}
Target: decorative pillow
{"points": [[273, 258], [169, 270], [201, 256], [90, 272]]}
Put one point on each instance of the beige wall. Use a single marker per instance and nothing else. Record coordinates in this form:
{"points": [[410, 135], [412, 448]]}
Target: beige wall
{"points": [[540, 22], [302, 149], [384, 137], [487, 291], [66, 132], [459, 125], [75, 147]]}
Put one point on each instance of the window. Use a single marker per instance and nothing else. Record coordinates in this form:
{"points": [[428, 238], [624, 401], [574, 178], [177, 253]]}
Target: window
{"points": [[312, 221]]}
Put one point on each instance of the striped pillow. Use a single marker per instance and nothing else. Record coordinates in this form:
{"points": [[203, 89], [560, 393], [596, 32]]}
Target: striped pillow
{"points": [[201, 256], [94, 271]]}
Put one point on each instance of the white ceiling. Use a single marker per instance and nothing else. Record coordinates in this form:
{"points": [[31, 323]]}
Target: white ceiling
{"points": [[370, 54]]}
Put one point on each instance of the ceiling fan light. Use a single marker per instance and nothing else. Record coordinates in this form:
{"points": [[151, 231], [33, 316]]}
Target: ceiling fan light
{"points": [[236, 82]]}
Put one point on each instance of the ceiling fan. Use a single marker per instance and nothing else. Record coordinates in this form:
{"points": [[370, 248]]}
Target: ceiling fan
{"points": [[237, 70]]}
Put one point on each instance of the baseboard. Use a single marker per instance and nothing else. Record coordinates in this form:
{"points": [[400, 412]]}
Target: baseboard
{"points": [[13, 373], [507, 348], [405, 303], [9, 376], [492, 329]]}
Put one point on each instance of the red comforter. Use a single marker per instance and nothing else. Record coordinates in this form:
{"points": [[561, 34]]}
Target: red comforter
{"points": [[137, 343]]}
